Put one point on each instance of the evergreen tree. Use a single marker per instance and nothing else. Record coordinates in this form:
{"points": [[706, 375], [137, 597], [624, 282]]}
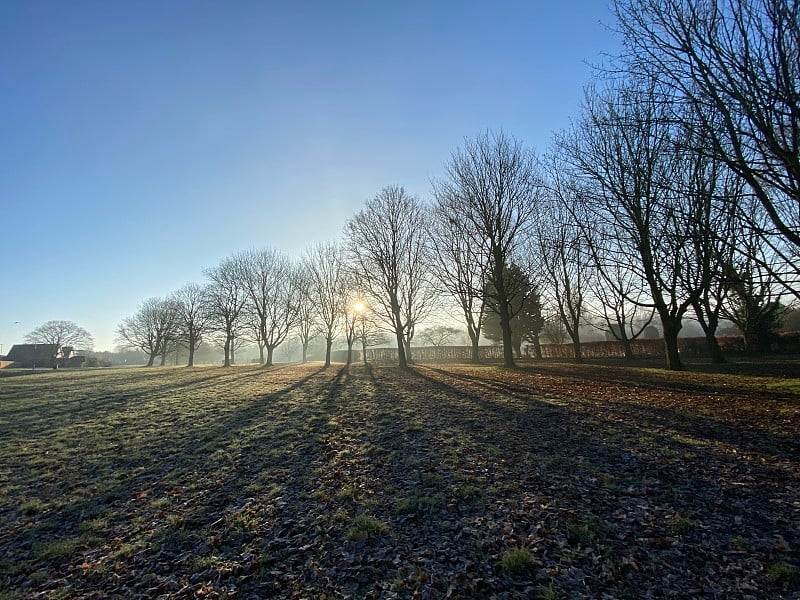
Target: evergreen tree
{"points": [[525, 311]]}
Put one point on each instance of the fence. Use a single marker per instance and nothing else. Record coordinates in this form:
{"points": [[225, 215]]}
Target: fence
{"points": [[695, 347]]}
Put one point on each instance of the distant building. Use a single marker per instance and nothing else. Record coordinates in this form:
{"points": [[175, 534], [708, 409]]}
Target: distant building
{"points": [[651, 332], [45, 356]]}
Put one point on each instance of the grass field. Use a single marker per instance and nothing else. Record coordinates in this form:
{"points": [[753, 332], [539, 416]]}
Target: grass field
{"points": [[551, 481]]}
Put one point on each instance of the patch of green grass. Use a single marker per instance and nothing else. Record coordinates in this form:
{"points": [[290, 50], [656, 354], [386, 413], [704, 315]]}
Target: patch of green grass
{"points": [[124, 551], [588, 532], [55, 549], [740, 544], [340, 516], [160, 503], [547, 592], [31, 507], [244, 521], [171, 537], [466, 492], [203, 563], [518, 561], [93, 525], [681, 526], [608, 482], [787, 386], [418, 504], [348, 493], [430, 480], [365, 527], [784, 575]]}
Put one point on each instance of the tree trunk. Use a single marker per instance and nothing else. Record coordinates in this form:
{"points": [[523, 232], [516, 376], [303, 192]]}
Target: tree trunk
{"points": [[709, 321], [475, 354], [401, 351], [671, 330], [364, 349], [576, 348], [328, 345], [537, 347], [261, 354], [270, 350], [407, 346], [627, 348], [151, 359], [714, 349], [505, 325], [349, 352], [191, 351], [227, 362], [305, 352]]}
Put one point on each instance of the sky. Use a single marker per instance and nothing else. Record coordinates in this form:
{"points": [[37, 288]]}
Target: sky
{"points": [[141, 142]]}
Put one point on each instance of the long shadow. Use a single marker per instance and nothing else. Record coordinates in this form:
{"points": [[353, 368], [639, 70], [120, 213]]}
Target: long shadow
{"points": [[417, 436], [653, 377], [589, 430], [651, 417], [52, 409], [161, 458]]}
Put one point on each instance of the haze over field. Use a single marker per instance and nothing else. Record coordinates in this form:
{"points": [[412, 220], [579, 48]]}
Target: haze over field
{"points": [[142, 143]]}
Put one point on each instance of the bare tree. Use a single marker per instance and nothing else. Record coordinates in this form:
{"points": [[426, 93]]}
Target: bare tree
{"points": [[736, 64], [306, 323], [753, 296], [172, 336], [624, 146], [553, 330], [711, 194], [492, 186], [563, 254], [63, 334], [440, 335], [194, 316], [150, 328], [226, 299], [269, 278], [387, 251], [624, 320], [325, 266], [368, 331], [251, 330], [351, 321], [459, 266]]}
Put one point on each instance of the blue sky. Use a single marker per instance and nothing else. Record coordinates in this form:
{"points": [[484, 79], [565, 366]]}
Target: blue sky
{"points": [[143, 141]]}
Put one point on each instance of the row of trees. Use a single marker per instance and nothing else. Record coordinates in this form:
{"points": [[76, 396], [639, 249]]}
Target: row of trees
{"points": [[675, 193], [258, 297]]}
